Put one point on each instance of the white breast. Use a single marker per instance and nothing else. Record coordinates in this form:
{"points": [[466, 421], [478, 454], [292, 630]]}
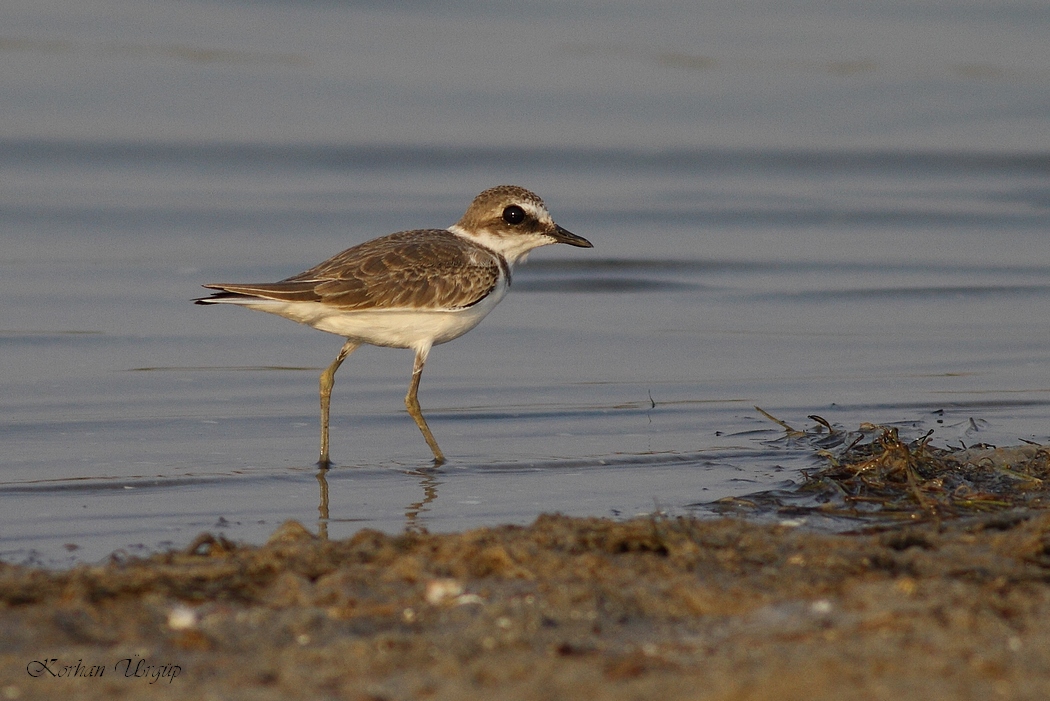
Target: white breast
{"points": [[394, 328]]}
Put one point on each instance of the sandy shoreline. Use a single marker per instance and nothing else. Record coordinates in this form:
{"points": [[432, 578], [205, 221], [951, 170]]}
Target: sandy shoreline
{"points": [[564, 608]]}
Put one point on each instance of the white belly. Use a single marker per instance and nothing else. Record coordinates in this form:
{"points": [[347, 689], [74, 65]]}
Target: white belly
{"points": [[395, 328]]}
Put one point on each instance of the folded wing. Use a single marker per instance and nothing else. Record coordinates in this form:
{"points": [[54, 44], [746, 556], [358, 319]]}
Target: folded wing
{"points": [[425, 269]]}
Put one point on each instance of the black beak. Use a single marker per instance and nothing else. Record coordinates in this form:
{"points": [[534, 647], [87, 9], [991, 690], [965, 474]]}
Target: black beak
{"points": [[565, 236]]}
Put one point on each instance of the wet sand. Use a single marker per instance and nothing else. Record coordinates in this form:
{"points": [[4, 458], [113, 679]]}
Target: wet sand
{"points": [[564, 608]]}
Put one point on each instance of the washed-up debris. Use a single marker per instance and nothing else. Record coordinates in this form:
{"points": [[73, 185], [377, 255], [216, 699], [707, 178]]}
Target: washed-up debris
{"points": [[875, 474]]}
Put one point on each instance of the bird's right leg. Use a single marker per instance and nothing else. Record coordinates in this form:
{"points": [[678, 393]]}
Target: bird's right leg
{"points": [[412, 404], [327, 380]]}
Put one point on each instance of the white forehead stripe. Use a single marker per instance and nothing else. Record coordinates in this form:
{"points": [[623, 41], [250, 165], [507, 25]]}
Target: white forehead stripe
{"points": [[537, 211]]}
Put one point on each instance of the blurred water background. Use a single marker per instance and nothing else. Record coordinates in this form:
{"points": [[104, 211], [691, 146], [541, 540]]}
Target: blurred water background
{"points": [[819, 208]]}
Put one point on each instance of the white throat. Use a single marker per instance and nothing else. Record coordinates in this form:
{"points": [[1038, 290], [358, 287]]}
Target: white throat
{"points": [[513, 247]]}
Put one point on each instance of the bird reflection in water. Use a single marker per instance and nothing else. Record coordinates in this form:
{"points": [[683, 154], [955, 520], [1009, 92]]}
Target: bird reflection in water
{"points": [[322, 507], [427, 480]]}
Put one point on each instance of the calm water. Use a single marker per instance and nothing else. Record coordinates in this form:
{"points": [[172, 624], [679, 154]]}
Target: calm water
{"points": [[834, 210]]}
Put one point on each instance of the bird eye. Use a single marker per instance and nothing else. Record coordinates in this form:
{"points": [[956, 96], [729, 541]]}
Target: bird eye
{"points": [[514, 214]]}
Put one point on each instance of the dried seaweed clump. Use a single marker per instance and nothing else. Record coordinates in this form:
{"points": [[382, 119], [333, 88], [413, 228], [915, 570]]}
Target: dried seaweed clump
{"points": [[880, 474]]}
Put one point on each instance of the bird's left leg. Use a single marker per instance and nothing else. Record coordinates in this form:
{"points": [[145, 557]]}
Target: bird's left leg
{"points": [[327, 380]]}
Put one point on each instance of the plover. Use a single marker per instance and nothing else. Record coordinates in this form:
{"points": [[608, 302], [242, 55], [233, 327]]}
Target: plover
{"points": [[413, 289]]}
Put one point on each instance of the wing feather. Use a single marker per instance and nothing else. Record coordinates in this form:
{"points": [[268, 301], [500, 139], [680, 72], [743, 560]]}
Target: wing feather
{"points": [[429, 269]]}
